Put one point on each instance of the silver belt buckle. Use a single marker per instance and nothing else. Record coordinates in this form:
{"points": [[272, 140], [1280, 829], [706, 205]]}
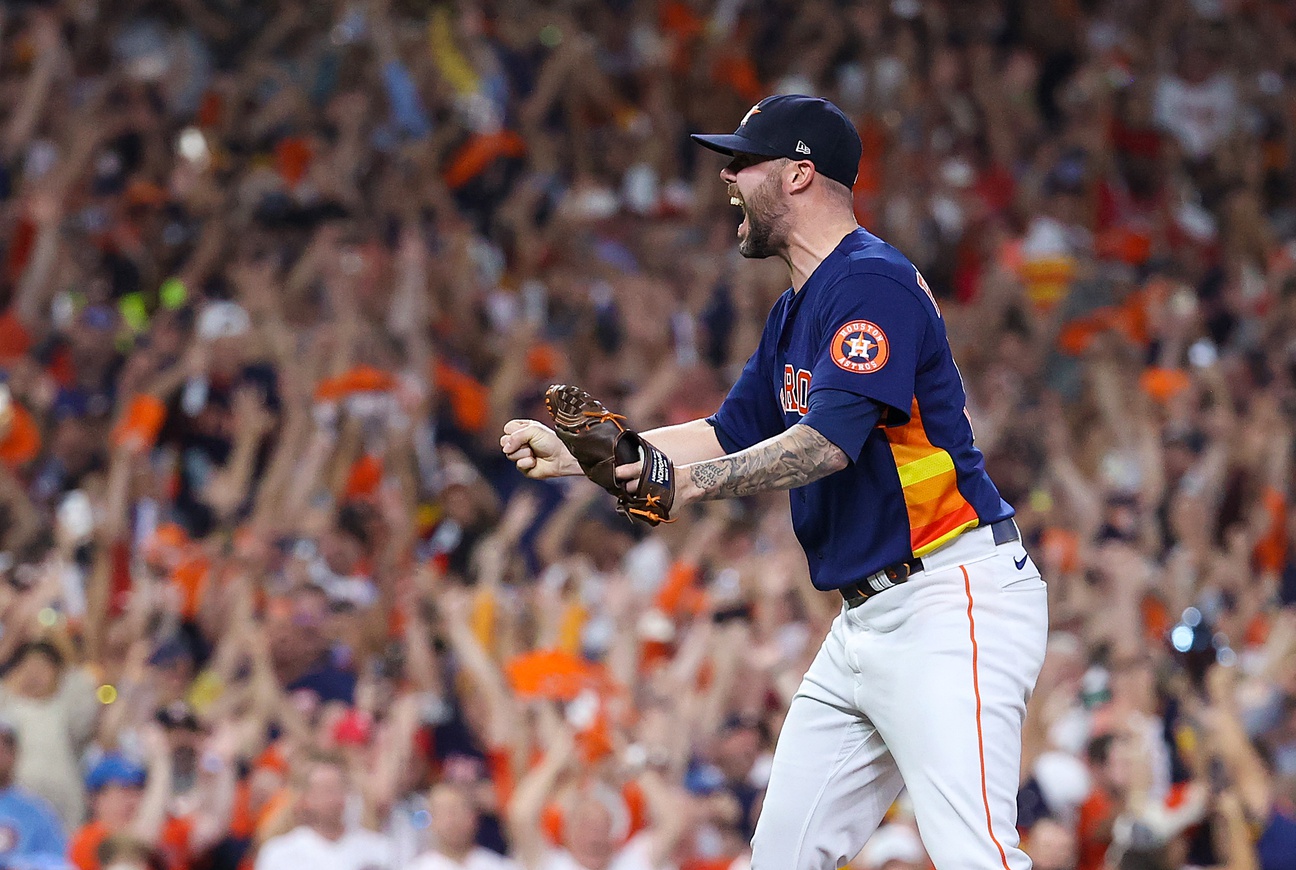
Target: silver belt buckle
{"points": [[878, 582]]}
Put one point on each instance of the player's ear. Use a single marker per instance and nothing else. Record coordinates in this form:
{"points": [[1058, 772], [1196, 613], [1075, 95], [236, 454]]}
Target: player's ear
{"points": [[797, 176]]}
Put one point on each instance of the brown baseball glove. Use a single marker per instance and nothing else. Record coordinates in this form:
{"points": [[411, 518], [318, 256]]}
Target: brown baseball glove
{"points": [[600, 441]]}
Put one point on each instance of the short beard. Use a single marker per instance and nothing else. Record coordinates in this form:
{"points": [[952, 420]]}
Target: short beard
{"points": [[766, 231]]}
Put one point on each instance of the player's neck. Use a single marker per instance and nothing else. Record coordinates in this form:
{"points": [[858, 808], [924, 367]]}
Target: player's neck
{"points": [[810, 244]]}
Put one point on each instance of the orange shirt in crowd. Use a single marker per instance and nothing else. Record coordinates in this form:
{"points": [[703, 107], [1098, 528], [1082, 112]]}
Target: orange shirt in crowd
{"points": [[708, 863], [83, 850], [1093, 831]]}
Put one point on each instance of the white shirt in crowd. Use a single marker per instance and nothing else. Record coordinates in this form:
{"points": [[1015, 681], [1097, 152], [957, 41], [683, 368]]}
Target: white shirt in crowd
{"points": [[477, 859], [634, 855], [303, 847], [1199, 116]]}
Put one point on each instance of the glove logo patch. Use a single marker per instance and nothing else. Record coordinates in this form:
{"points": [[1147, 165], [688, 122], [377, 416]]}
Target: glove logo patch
{"points": [[860, 347], [659, 471]]}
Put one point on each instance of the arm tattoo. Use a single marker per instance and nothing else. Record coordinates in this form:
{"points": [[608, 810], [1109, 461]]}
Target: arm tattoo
{"points": [[797, 457]]}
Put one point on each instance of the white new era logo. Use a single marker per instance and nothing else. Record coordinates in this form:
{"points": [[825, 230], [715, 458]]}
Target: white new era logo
{"points": [[802, 148]]}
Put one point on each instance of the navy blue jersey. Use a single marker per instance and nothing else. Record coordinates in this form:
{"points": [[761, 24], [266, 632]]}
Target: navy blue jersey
{"points": [[860, 354]]}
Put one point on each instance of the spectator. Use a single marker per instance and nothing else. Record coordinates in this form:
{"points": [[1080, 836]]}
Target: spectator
{"points": [[323, 838], [53, 708], [1197, 103], [590, 838], [1251, 779], [739, 746], [33, 837], [454, 830], [138, 803], [1052, 846], [123, 853], [1108, 773]]}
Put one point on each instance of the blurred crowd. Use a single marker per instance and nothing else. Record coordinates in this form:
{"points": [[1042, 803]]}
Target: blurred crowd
{"points": [[274, 274]]}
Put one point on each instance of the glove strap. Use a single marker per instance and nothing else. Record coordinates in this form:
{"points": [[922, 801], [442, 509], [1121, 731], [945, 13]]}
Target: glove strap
{"points": [[655, 494]]}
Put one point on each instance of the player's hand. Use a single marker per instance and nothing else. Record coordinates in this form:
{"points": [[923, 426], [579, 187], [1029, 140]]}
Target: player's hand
{"points": [[537, 451], [628, 476]]}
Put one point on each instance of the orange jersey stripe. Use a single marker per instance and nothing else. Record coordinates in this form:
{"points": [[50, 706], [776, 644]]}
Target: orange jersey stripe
{"points": [[933, 489], [936, 509], [935, 518], [911, 452], [932, 535]]}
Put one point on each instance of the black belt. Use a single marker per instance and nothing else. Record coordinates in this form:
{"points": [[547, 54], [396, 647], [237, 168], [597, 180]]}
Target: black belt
{"points": [[1004, 531]]}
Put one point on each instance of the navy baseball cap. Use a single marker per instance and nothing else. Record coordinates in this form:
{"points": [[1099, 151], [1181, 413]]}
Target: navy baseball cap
{"points": [[799, 128]]}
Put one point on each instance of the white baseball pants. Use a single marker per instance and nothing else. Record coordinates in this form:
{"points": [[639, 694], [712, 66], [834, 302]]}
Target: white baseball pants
{"points": [[924, 685]]}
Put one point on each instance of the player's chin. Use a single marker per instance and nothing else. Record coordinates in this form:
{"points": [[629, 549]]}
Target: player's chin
{"points": [[755, 240], [752, 249], [744, 238]]}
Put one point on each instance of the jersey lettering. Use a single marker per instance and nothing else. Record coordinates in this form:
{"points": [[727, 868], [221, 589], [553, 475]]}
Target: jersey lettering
{"points": [[922, 282], [796, 390]]}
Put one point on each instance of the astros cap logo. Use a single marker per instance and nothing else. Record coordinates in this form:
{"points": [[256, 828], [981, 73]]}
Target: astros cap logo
{"points": [[754, 110], [860, 347]]}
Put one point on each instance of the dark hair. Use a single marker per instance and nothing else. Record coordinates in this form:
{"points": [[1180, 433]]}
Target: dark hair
{"points": [[35, 647], [1099, 749], [315, 759], [1145, 859], [126, 848], [353, 520], [1265, 755]]}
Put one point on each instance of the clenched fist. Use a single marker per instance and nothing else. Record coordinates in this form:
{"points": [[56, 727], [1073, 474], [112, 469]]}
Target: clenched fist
{"points": [[536, 450]]}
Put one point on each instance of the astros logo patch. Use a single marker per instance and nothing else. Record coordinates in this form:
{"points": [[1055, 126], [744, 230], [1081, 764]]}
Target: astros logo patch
{"points": [[860, 347]]}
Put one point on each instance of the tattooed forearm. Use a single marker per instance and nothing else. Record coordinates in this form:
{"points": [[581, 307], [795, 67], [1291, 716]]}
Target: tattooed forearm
{"points": [[797, 457]]}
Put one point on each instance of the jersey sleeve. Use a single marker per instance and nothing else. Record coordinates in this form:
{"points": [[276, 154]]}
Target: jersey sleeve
{"points": [[750, 413], [872, 333], [845, 419]]}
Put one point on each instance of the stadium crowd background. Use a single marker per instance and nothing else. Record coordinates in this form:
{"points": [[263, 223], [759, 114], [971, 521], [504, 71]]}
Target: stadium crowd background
{"points": [[273, 274]]}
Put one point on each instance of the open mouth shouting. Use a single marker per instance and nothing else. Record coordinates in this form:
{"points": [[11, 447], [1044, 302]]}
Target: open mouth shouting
{"points": [[736, 199]]}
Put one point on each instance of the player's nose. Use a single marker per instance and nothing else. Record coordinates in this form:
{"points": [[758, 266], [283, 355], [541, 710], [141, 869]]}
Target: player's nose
{"points": [[728, 176]]}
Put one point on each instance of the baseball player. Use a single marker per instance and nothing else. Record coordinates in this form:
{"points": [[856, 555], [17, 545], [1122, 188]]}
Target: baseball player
{"points": [[852, 402]]}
